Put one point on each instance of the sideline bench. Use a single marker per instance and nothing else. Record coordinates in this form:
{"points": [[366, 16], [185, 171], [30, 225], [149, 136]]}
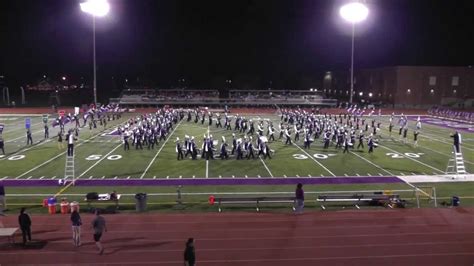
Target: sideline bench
{"points": [[9, 233], [103, 198], [357, 199], [253, 201]]}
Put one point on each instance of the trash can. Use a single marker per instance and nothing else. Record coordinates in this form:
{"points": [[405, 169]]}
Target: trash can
{"points": [[140, 199], [52, 205], [456, 201], [74, 206], [64, 206], [45, 203]]}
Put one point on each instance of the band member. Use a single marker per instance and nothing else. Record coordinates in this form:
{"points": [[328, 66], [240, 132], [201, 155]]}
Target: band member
{"points": [[223, 150], [126, 137], [234, 143], [46, 131], [288, 135], [307, 140], [415, 138], [271, 131], [250, 150], [239, 150], [361, 140], [179, 150], [267, 151], [371, 144], [29, 139], [282, 131], [405, 131]]}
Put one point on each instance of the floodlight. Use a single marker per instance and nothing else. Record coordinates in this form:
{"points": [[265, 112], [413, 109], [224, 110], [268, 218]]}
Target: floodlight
{"points": [[354, 12], [97, 8]]}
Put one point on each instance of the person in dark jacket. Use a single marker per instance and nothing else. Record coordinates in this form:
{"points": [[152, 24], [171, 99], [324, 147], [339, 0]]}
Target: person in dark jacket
{"points": [[457, 141], [299, 195], [76, 228], [25, 225], [189, 253]]}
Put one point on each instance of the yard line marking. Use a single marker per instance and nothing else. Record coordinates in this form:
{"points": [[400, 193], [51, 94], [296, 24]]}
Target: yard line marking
{"points": [[54, 177], [297, 176], [357, 175], [233, 176], [258, 176], [219, 176], [345, 175], [90, 177], [41, 177], [57, 156], [442, 153], [103, 177], [128, 177], [246, 176], [266, 167], [324, 167], [180, 176], [370, 162], [161, 148], [207, 168], [29, 177], [322, 175], [167, 177], [98, 161], [284, 176], [309, 176], [194, 176], [13, 140], [5, 177], [27, 148], [422, 163], [402, 173], [154, 177], [115, 177], [380, 174], [368, 174]]}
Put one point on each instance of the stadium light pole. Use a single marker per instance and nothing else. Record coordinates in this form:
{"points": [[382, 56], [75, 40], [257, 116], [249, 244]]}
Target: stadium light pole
{"points": [[96, 8], [353, 12]]}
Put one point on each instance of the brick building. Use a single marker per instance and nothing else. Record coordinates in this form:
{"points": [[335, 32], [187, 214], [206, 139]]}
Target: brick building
{"points": [[409, 86]]}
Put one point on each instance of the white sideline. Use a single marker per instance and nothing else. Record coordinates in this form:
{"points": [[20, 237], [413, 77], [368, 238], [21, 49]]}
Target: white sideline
{"points": [[437, 178]]}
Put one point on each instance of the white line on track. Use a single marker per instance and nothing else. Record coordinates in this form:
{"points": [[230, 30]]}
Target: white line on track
{"points": [[320, 164], [100, 160], [161, 148], [266, 167]]}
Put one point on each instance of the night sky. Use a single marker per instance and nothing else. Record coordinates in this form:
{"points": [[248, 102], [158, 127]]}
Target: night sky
{"points": [[204, 41]]}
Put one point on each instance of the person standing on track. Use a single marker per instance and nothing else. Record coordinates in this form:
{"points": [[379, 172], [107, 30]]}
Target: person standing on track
{"points": [[189, 253], [24, 221], [76, 228], [299, 195], [99, 226], [3, 200]]}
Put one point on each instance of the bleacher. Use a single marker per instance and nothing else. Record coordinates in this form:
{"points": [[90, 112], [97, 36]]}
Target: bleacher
{"points": [[241, 98]]}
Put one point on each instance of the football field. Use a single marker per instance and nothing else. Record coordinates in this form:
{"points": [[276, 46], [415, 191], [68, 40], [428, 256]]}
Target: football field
{"points": [[100, 155]]}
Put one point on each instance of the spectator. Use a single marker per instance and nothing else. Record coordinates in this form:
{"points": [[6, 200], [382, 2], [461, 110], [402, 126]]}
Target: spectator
{"points": [[2, 144], [76, 227], [99, 226], [189, 253], [24, 221], [3, 200], [299, 193]]}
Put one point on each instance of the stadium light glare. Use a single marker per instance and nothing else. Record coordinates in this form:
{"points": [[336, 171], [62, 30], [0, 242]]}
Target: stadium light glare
{"points": [[354, 12], [97, 8], [370, 94]]}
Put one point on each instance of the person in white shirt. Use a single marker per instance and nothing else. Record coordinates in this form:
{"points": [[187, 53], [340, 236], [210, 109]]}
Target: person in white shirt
{"points": [[70, 143]]}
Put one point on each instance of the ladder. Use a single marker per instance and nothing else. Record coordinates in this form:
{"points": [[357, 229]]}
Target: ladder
{"points": [[456, 165], [69, 169]]}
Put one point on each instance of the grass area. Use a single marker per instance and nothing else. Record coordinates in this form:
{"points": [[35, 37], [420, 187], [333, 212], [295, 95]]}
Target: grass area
{"points": [[199, 202], [99, 155]]}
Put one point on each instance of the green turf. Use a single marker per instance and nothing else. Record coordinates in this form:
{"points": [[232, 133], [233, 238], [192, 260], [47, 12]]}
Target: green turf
{"points": [[100, 156]]}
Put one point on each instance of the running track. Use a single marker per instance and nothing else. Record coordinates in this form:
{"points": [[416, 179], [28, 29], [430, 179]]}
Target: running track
{"points": [[350, 237]]}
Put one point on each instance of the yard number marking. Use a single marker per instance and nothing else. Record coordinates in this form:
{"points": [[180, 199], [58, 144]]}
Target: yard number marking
{"points": [[16, 157], [95, 157], [407, 154], [316, 155]]}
